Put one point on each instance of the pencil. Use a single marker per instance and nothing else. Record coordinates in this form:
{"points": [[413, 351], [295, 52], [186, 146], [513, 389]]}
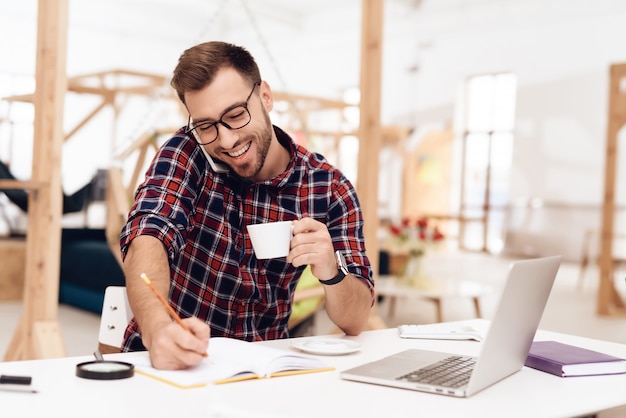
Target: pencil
{"points": [[171, 310]]}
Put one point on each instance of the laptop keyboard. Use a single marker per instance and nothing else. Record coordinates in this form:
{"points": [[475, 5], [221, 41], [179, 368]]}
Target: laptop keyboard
{"points": [[453, 371]]}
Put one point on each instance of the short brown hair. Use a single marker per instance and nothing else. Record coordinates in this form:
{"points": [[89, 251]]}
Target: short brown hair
{"points": [[198, 65]]}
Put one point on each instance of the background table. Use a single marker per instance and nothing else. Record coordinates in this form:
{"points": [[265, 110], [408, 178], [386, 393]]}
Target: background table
{"points": [[434, 290]]}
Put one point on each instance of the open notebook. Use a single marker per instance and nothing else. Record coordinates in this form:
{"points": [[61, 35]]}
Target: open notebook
{"points": [[503, 350], [232, 360]]}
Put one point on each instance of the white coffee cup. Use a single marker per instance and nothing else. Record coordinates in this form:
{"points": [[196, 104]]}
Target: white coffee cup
{"points": [[271, 240]]}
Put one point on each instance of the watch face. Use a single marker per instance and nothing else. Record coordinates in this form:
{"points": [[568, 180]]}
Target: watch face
{"points": [[341, 263]]}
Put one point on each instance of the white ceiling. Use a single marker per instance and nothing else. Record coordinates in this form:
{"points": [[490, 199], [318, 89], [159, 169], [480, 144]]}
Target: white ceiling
{"points": [[148, 35], [303, 46]]}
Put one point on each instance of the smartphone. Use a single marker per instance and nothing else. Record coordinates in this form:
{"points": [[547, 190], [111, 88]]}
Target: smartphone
{"points": [[216, 166]]}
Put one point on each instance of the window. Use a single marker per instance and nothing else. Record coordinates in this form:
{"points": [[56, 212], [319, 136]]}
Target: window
{"points": [[486, 159]]}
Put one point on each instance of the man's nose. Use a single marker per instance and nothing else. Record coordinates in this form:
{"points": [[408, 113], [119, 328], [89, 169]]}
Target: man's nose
{"points": [[227, 137]]}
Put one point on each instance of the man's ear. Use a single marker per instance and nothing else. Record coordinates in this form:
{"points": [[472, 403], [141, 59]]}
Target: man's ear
{"points": [[267, 98]]}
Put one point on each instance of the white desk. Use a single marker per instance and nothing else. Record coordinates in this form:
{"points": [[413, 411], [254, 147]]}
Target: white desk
{"points": [[528, 393]]}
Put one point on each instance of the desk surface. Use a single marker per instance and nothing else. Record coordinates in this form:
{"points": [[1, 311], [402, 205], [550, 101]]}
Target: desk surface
{"points": [[527, 393]]}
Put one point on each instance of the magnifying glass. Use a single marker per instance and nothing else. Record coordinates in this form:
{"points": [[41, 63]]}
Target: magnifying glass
{"points": [[101, 369]]}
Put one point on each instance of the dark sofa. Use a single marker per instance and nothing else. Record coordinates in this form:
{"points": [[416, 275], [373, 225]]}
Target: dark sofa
{"points": [[87, 268]]}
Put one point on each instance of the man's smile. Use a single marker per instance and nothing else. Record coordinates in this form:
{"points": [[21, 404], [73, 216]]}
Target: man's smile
{"points": [[239, 153]]}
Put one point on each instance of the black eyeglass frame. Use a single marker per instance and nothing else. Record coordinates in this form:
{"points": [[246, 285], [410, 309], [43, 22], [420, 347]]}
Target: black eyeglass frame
{"points": [[192, 129]]}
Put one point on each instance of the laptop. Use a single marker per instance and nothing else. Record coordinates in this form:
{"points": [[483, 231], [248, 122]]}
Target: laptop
{"points": [[503, 352]]}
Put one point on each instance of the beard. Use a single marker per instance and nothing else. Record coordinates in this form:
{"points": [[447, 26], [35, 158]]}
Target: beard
{"points": [[251, 171]]}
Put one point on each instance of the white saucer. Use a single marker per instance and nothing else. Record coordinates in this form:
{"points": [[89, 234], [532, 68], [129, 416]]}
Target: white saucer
{"points": [[327, 346]]}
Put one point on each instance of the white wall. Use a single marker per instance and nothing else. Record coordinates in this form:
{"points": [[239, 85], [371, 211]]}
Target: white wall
{"points": [[561, 52]]}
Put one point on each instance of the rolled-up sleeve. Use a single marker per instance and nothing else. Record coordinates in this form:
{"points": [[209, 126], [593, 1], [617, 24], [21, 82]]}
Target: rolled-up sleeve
{"points": [[164, 202]]}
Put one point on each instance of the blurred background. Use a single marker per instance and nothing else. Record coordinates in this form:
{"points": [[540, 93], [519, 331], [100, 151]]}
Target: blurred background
{"points": [[494, 112]]}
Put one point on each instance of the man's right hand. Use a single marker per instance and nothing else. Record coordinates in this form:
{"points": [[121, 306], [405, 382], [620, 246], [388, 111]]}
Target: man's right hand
{"points": [[170, 345], [174, 348]]}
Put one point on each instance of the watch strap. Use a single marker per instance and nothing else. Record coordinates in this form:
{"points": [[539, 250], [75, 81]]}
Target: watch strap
{"points": [[342, 270], [339, 277]]}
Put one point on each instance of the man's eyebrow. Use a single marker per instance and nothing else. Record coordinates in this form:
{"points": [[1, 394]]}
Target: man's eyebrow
{"points": [[201, 121], [209, 120]]}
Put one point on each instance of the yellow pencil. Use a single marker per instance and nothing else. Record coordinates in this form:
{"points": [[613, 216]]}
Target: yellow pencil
{"points": [[171, 310]]}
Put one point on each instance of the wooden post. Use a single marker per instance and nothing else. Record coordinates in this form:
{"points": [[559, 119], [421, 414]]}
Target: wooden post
{"points": [[38, 333], [609, 301], [370, 131]]}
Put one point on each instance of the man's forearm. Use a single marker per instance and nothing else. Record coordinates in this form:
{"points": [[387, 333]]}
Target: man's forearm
{"points": [[348, 304], [147, 255]]}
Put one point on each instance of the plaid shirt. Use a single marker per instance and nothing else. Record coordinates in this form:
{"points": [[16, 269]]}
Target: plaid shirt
{"points": [[200, 217]]}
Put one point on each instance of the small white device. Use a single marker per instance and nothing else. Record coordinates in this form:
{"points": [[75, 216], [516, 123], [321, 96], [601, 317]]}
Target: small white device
{"points": [[441, 331]]}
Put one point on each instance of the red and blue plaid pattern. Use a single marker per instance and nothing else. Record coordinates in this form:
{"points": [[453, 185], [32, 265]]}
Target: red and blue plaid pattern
{"points": [[201, 217]]}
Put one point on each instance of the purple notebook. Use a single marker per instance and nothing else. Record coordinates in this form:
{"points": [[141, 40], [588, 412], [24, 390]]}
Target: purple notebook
{"points": [[566, 360]]}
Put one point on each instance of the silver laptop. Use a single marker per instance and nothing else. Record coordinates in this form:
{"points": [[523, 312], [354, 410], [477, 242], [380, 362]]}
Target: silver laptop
{"points": [[503, 350]]}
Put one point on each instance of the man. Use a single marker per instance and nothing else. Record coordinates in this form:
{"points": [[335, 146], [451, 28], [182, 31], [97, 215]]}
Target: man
{"points": [[230, 167]]}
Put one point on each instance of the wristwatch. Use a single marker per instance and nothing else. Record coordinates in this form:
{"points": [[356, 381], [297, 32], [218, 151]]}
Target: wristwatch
{"points": [[341, 266]]}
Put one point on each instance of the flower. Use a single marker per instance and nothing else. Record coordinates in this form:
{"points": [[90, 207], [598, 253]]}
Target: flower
{"points": [[414, 236]]}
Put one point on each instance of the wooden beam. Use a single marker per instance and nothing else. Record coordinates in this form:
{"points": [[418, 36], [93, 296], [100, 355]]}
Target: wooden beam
{"points": [[156, 78], [7, 184], [22, 98], [139, 143], [146, 85], [87, 118], [104, 91], [609, 301], [38, 334], [312, 102], [370, 130], [141, 158], [117, 207]]}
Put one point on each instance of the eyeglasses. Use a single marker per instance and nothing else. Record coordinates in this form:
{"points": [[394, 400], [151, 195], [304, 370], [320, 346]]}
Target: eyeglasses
{"points": [[235, 118]]}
